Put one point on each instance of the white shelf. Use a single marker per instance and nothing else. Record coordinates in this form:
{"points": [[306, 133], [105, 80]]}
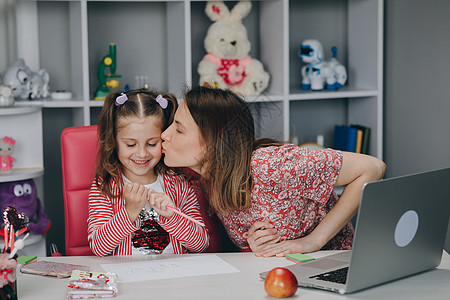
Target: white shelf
{"points": [[15, 110], [17, 175], [340, 94], [34, 246], [30, 240], [49, 103]]}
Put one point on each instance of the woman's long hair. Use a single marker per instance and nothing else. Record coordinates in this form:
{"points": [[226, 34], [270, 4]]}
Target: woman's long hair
{"points": [[141, 103], [228, 132]]}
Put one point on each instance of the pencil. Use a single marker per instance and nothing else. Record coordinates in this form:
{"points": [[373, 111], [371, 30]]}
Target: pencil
{"points": [[5, 237], [11, 237], [186, 216]]}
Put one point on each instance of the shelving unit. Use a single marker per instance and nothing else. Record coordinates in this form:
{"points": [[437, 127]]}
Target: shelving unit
{"points": [[164, 41], [24, 124]]}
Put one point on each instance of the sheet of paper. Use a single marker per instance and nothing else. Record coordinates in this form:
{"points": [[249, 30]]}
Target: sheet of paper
{"points": [[184, 266]]}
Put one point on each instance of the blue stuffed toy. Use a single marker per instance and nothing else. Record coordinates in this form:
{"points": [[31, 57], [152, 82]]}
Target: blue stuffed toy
{"points": [[23, 196]]}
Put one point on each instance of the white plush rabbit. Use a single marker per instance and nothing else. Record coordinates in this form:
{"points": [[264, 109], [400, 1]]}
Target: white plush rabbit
{"points": [[228, 64]]}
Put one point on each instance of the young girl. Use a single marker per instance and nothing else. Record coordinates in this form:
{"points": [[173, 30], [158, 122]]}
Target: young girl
{"points": [[272, 198], [131, 176]]}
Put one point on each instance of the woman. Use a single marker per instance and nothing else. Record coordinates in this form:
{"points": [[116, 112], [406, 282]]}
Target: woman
{"points": [[272, 198]]}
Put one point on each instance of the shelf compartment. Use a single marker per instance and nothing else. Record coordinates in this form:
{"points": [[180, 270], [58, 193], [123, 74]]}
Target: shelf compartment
{"points": [[60, 47], [24, 124], [323, 20], [266, 38], [142, 45]]}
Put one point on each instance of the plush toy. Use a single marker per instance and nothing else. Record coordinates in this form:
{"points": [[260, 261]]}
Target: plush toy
{"points": [[228, 64], [6, 149], [25, 83], [318, 72], [23, 196]]}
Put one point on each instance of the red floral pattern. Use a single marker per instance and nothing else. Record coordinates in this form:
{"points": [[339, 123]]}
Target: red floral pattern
{"points": [[293, 189], [232, 71]]}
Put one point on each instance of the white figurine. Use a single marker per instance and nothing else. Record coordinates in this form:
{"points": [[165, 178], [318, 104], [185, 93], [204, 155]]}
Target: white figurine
{"points": [[25, 83], [228, 63], [317, 72]]}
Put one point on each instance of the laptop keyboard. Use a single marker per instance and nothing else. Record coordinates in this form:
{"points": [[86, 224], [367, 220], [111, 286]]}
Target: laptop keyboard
{"points": [[338, 276]]}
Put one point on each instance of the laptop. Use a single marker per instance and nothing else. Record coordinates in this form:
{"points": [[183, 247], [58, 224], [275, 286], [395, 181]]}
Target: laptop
{"points": [[400, 231]]}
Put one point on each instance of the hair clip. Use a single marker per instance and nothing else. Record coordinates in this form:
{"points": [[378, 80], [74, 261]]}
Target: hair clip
{"points": [[121, 99], [162, 101]]}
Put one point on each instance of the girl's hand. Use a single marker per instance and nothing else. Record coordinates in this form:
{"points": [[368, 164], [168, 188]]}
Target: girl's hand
{"points": [[261, 234], [302, 245], [135, 196], [159, 202]]}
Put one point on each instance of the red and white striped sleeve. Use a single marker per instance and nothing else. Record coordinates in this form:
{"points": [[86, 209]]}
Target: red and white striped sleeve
{"points": [[191, 236], [107, 229]]}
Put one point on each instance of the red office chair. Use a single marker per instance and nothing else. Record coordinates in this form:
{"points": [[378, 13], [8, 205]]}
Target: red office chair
{"points": [[78, 152]]}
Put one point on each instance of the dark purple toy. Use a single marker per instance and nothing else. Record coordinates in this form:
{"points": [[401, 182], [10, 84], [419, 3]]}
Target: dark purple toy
{"points": [[23, 196]]}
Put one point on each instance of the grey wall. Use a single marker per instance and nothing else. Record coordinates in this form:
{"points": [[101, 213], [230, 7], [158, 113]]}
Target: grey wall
{"points": [[417, 81], [7, 30]]}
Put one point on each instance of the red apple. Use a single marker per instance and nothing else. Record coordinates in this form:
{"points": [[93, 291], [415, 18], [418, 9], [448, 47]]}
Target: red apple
{"points": [[280, 283]]}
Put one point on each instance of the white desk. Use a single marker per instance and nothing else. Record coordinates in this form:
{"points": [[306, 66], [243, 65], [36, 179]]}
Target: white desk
{"points": [[243, 285]]}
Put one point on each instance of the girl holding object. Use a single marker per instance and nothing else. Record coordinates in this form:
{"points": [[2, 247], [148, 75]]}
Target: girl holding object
{"points": [[272, 198], [132, 188]]}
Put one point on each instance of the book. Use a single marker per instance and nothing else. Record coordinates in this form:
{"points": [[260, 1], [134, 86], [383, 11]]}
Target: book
{"points": [[365, 142], [298, 257], [89, 284], [51, 268], [345, 138], [26, 259]]}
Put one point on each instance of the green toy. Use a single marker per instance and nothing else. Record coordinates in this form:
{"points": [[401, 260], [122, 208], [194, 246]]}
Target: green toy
{"points": [[107, 81]]}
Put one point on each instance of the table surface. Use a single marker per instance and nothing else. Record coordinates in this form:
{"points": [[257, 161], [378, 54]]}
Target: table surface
{"points": [[246, 284]]}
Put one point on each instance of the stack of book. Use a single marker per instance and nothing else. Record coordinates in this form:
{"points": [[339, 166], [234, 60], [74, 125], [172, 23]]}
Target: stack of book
{"points": [[353, 138], [88, 284]]}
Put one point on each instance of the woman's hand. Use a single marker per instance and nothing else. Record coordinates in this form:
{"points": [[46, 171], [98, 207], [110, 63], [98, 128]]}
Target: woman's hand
{"points": [[261, 234], [301, 245], [159, 202], [135, 196], [264, 241]]}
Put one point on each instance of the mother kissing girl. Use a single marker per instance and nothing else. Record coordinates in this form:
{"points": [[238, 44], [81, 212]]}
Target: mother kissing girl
{"points": [[273, 198]]}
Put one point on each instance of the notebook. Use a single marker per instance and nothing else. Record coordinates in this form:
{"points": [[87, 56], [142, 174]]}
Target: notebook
{"points": [[400, 231]]}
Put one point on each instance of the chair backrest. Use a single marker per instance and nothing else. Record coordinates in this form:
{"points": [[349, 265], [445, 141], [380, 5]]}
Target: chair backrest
{"points": [[78, 153], [79, 148]]}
